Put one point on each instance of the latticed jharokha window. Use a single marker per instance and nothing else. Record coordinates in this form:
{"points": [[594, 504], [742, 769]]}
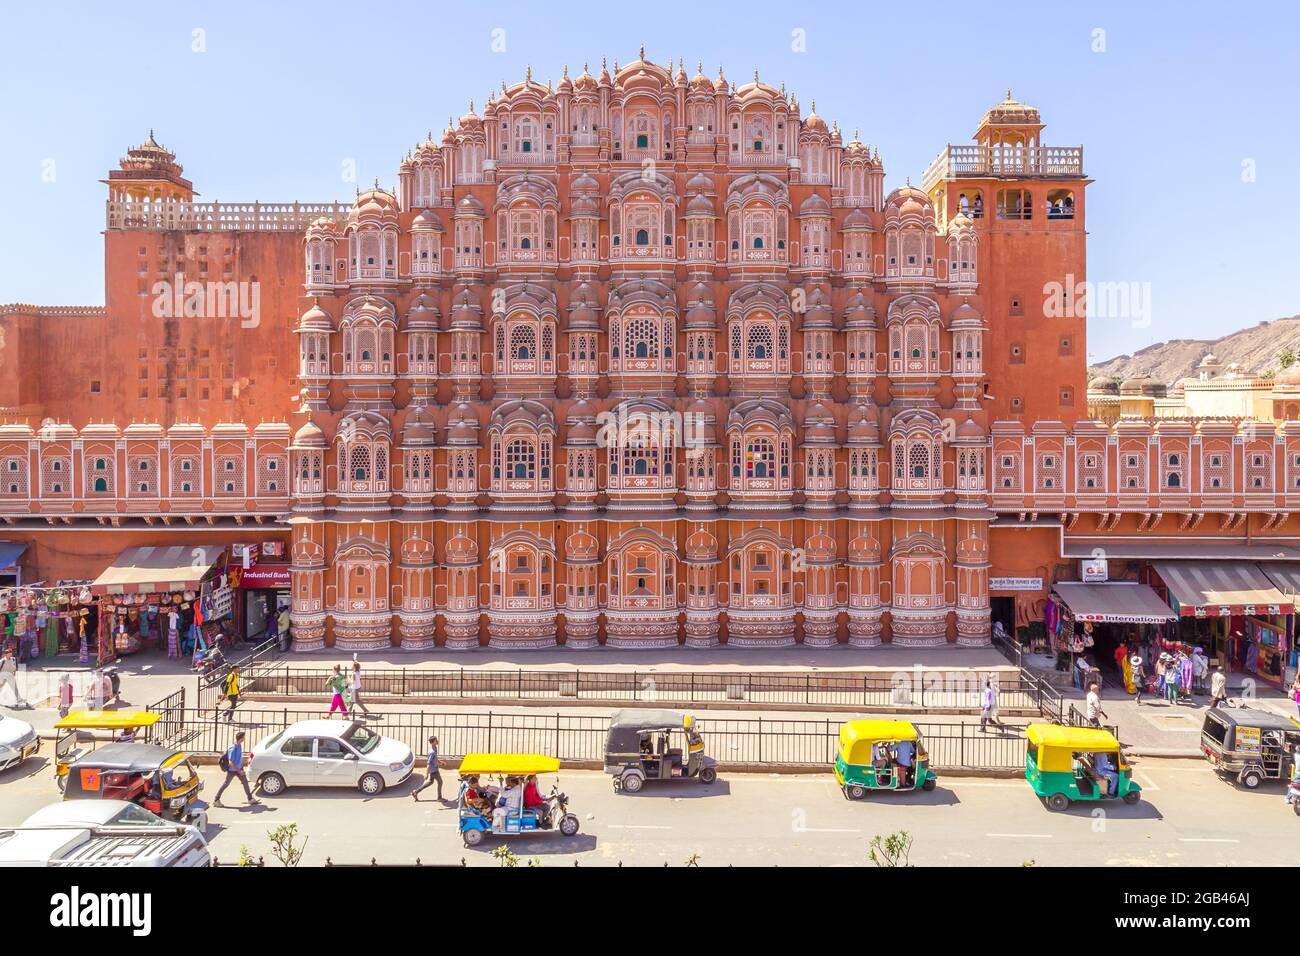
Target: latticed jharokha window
{"points": [[760, 459], [521, 460], [523, 343], [918, 460], [642, 339]]}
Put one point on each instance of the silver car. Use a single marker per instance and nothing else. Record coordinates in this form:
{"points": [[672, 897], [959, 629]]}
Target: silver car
{"points": [[329, 753], [18, 741]]}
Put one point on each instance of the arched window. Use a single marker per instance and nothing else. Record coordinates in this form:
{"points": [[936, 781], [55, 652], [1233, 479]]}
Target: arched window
{"points": [[521, 459]]}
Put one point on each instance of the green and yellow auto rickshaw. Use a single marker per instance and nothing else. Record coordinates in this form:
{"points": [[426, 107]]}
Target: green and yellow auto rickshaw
{"points": [[868, 758], [1065, 764]]}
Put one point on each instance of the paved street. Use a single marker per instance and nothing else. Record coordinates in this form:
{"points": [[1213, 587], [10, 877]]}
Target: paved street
{"points": [[1189, 817]]}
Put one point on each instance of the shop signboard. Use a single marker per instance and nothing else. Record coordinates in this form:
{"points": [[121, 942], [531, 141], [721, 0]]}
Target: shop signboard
{"points": [[274, 576], [1095, 569], [1015, 584], [245, 555]]}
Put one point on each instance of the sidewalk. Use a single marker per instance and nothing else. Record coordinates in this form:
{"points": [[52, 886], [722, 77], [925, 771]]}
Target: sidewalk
{"points": [[1156, 728]]}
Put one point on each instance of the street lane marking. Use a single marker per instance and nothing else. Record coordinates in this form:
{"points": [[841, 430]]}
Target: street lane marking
{"points": [[635, 826], [825, 830], [1206, 840], [1022, 836]]}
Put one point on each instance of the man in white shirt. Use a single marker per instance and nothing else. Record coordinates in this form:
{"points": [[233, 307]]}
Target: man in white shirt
{"points": [[1094, 712], [1218, 688], [512, 803]]}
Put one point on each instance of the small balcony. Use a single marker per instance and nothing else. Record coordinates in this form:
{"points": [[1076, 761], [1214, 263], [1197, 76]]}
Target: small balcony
{"points": [[1003, 162]]}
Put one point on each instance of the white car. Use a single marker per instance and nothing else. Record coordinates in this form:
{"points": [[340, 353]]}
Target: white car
{"points": [[329, 753], [101, 833], [18, 741]]}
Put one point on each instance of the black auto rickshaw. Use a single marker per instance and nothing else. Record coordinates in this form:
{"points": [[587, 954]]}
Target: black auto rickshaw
{"points": [[159, 779], [1252, 745], [639, 747]]}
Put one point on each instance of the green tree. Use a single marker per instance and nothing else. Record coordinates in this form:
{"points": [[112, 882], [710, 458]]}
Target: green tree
{"points": [[891, 850], [284, 845], [1286, 358], [505, 856]]}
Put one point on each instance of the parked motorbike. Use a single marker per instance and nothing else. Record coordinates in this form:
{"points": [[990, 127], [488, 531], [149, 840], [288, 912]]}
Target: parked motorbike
{"points": [[209, 661]]}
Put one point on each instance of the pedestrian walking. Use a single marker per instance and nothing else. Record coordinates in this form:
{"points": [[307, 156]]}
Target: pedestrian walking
{"points": [[1218, 688], [337, 683], [1172, 670], [9, 678], [431, 773], [355, 688], [65, 694], [1139, 678], [230, 687], [989, 705], [1200, 670], [1094, 712], [232, 762], [1295, 692]]}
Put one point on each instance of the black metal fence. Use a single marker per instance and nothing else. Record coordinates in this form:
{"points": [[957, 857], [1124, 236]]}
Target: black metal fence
{"points": [[733, 742], [172, 709], [260, 658], [911, 688], [1010, 647], [1073, 717]]}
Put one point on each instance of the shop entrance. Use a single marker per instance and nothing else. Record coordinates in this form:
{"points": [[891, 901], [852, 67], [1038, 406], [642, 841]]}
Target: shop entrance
{"points": [[1003, 610]]}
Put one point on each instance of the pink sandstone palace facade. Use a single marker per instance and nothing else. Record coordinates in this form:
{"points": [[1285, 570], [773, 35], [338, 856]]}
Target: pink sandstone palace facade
{"points": [[636, 359]]}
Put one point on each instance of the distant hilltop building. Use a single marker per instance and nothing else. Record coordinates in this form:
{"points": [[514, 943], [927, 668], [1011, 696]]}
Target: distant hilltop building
{"points": [[1214, 391]]}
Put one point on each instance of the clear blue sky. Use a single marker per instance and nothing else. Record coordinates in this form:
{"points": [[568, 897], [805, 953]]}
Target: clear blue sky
{"points": [[287, 91]]}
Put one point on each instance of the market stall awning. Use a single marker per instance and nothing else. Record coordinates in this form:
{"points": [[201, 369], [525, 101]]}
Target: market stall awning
{"points": [[10, 552], [1119, 602], [1221, 588], [1285, 577], [149, 569], [1186, 547]]}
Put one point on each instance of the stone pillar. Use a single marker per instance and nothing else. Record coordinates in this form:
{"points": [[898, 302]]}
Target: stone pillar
{"points": [[820, 627], [702, 628], [308, 630], [418, 630]]}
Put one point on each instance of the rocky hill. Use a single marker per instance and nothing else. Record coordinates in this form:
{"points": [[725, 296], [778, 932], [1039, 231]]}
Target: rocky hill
{"points": [[1255, 349]]}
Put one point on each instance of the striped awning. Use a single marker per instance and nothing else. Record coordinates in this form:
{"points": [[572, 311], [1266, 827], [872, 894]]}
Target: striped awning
{"points": [[1221, 588], [1285, 576], [1118, 602], [150, 570]]}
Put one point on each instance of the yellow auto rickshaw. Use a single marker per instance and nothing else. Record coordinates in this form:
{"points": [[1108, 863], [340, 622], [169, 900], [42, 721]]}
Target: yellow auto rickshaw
{"points": [[882, 755], [124, 726], [1065, 764]]}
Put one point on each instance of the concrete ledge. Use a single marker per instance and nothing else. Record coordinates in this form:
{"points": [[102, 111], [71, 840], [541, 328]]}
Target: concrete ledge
{"points": [[569, 703], [1167, 753]]}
